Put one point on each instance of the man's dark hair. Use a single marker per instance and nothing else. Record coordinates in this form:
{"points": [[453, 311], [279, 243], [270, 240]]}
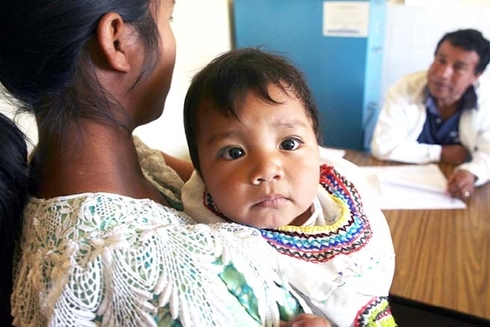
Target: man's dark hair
{"points": [[470, 40]]}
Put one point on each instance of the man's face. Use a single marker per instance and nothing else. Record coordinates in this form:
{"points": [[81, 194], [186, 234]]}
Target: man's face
{"points": [[451, 73]]}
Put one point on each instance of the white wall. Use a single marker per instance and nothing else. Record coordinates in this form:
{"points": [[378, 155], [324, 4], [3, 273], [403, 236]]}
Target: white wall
{"points": [[412, 32], [202, 30]]}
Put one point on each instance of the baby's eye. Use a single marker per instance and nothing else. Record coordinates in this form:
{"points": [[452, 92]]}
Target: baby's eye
{"points": [[232, 153], [290, 144]]}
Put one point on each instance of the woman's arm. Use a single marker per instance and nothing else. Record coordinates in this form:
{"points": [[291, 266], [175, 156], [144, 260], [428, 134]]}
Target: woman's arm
{"points": [[183, 167]]}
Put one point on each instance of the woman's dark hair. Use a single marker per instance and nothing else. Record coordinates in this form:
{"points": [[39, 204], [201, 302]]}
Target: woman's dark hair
{"points": [[227, 79], [470, 40], [43, 62], [13, 194]]}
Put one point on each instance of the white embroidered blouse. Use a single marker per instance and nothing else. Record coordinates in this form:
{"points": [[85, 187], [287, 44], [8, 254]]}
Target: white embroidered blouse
{"points": [[101, 259]]}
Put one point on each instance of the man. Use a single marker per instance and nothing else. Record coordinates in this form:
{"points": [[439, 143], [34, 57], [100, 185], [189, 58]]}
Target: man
{"points": [[443, 114]]}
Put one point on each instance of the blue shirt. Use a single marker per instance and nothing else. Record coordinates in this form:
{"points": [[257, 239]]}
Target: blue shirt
{"points": [[437, 131]]}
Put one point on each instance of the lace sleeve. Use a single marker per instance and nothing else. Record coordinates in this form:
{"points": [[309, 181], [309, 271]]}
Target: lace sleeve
{"points": [[103, 259]]}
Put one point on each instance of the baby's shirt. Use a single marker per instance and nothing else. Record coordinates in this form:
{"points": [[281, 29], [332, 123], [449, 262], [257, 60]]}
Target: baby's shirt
{"points": [[341, 259]]}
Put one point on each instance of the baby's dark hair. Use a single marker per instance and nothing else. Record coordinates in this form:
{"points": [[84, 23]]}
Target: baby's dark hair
{"points": [[13, 194], [469, 40], [227, 79]]}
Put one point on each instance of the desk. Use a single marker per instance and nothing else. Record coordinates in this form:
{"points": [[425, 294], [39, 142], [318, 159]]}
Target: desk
{"points": [[442, 256]]}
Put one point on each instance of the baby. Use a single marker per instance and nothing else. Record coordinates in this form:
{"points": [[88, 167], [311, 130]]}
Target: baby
{"points": [[253, 133]]}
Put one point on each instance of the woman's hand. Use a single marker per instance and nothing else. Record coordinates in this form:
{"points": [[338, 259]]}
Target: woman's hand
{"points": [[306, 320]]}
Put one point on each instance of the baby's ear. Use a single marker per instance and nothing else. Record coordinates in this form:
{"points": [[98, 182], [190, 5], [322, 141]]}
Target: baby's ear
{"points": [[113, 36]]}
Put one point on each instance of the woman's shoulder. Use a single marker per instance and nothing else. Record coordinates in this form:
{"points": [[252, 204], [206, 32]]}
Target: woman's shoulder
{"points": [[100, 207]]}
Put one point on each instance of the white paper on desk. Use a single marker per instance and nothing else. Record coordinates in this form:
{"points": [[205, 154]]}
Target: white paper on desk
{"points": [[411, 187]]}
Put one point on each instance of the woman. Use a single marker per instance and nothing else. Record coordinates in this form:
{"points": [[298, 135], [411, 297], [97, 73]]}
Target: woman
{"points": [[102, 243]]}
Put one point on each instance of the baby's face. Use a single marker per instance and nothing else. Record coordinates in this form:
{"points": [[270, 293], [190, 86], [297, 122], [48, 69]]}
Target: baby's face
{"points": [[262, 170]]}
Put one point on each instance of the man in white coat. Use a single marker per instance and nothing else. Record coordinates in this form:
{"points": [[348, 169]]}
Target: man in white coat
{"points": [[443, 114]]}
